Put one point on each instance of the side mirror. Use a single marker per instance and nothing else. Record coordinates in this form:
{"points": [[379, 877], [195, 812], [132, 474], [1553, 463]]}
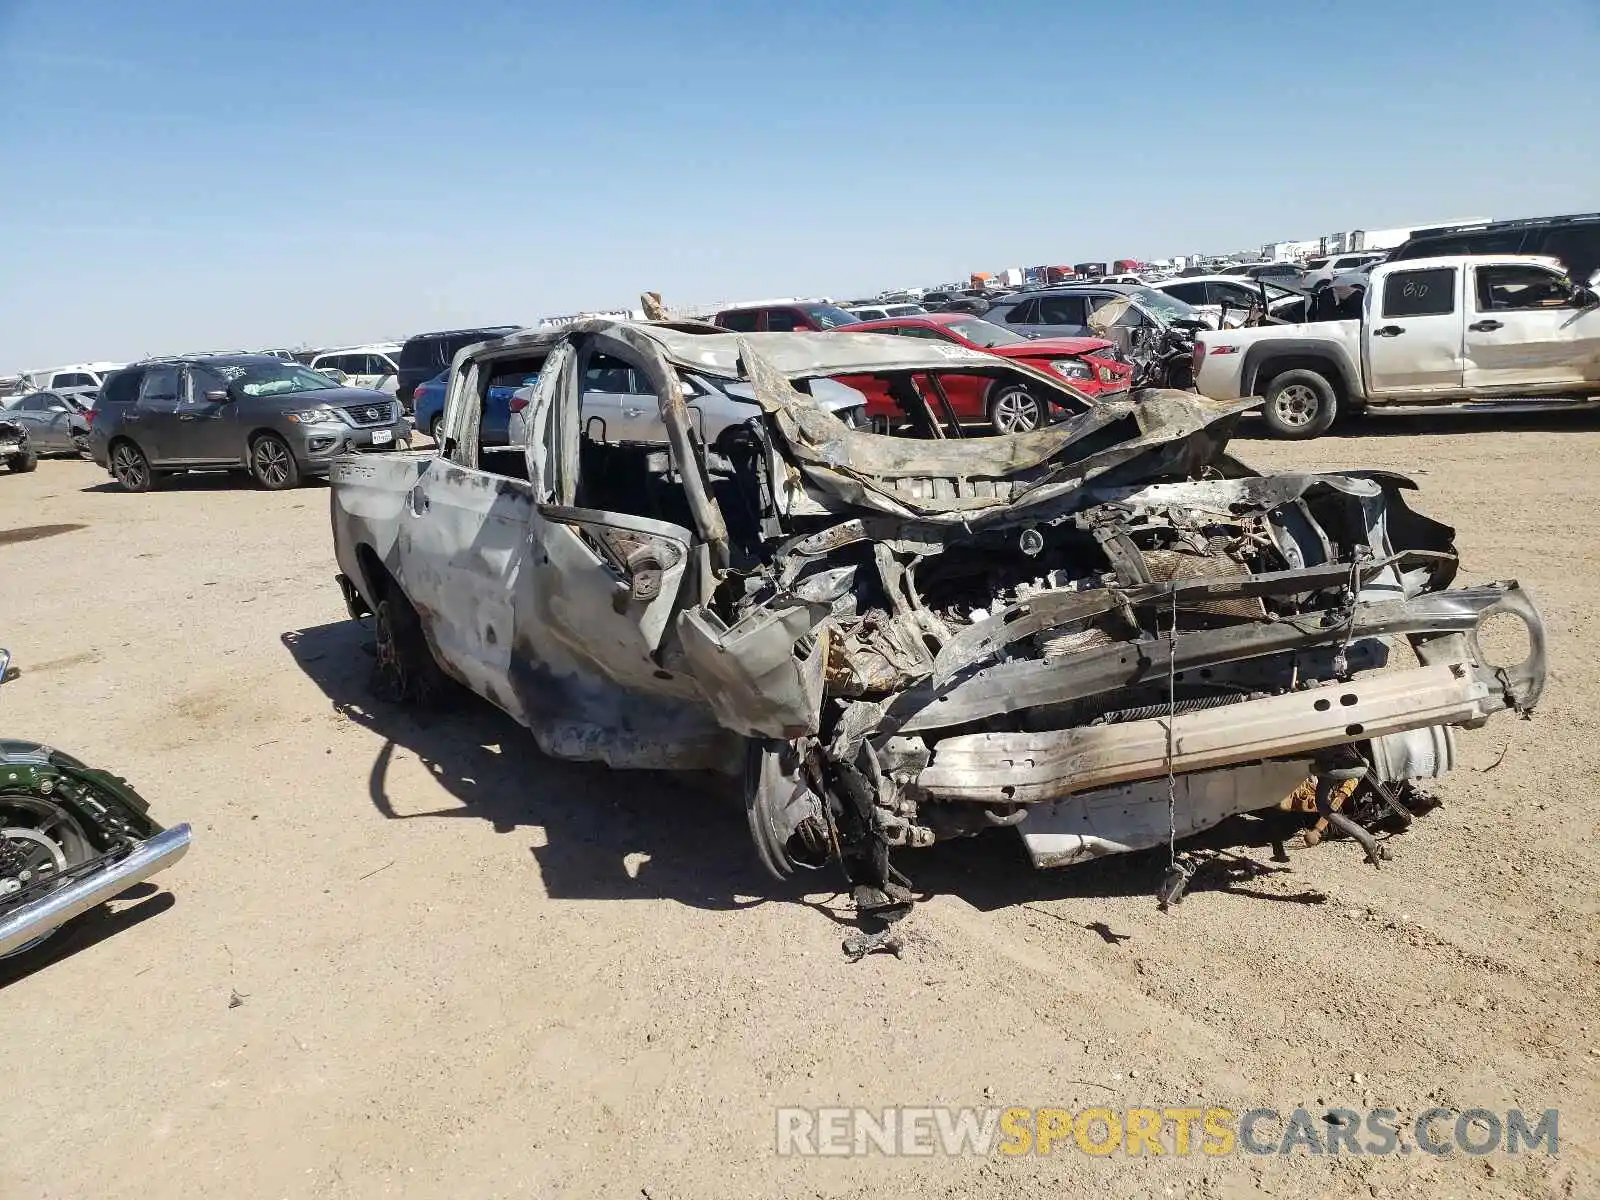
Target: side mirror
{"points": [[218, 397], [1586, 297]]}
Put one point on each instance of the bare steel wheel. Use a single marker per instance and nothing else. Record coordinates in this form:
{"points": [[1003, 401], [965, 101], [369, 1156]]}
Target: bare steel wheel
{"points": [[272, 463], [130, 467], [406, 672], [1015, 410]]}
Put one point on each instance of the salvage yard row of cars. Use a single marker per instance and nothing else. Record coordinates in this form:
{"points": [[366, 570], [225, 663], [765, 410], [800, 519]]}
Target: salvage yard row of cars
{"points": [[1485, 320], [913, 579], [1427, 331]]}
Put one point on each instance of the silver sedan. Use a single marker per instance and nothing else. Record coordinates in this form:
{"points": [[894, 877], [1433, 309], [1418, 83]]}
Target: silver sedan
{"points": [[56, 423]]}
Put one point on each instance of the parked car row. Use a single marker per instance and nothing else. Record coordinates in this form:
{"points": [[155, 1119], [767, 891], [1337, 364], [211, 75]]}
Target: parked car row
{"points": [[1371, 329]]}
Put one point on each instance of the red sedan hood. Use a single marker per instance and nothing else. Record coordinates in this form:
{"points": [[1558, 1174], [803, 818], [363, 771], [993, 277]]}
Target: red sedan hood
{"points": [[1061, 347]]}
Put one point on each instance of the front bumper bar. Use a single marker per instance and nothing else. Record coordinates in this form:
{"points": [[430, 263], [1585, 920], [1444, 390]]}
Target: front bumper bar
{"points": [[1028, 768], [1442, 627]]}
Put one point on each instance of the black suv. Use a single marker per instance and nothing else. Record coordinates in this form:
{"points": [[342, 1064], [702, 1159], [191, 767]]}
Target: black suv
{"points": [[1574, 240], [278, 420], [426, 354]]}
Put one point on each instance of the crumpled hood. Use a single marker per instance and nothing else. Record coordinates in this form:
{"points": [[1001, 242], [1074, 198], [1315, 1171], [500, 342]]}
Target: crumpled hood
{"points": [[969, 479], [1064, 347]]}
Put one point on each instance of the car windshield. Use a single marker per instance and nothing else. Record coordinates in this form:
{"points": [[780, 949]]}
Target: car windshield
{"points": [[828, 316], [1169, 308], [273, 378], [985, 333]]}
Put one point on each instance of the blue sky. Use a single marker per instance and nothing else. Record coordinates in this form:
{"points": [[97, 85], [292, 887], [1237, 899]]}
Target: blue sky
{"points": [[186, 175]]}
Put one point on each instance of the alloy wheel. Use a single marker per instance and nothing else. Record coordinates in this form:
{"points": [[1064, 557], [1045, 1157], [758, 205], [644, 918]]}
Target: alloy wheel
{"points": [[130, 467], [1015, 411], [271, 461], [1296, 405]]}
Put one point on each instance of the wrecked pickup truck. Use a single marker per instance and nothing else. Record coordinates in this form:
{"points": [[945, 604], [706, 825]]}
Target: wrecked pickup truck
{"points": [[1107, 634]]}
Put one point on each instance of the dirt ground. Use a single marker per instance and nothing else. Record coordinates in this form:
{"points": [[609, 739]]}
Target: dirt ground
{"points": [[416, 958]]}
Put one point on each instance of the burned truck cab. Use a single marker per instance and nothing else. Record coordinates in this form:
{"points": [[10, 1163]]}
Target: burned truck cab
{"points": [[1106, 634]]}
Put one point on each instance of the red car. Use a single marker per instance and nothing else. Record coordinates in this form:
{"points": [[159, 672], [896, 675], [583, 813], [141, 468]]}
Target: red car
{"points": [[1088, 364]]}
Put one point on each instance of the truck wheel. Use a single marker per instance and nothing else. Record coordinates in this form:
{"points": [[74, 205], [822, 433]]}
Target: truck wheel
{"points": [[406, 671], [787, 822], [1299, 405]]}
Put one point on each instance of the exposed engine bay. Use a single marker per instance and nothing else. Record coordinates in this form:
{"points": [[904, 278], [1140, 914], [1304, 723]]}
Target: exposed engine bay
{"points": [[1122, 666]]}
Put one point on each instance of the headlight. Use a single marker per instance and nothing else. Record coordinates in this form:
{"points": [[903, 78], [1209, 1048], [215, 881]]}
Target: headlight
{"points": [[313, 416], [1071, 368], [1107, 375]]}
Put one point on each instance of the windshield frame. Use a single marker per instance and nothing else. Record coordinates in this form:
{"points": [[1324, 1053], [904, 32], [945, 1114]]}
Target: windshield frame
{"points": [[828, 315], [240, 377], [1009, 337], [1168, 308]]}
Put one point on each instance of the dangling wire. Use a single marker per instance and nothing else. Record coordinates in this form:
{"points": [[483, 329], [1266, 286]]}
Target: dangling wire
{"points": [[1179, 870], [1172, 716]]}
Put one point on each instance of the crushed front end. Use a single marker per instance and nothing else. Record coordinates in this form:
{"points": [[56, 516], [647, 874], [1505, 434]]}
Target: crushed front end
{"points": [[1107, 641]]}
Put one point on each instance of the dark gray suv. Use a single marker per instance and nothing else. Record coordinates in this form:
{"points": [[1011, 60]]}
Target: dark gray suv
{"points": [[278, 420]]}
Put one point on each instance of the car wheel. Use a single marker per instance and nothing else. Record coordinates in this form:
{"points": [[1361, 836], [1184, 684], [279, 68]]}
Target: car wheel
{"points": [[1015, 409], [436, 430], [787, 821], [130, 468], [272, 463], [24, 462], [1299, 405], [80, 443], [406, 672]]}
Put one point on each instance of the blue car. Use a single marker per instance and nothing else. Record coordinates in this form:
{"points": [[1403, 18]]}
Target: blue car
{"points": [[429, 400]]}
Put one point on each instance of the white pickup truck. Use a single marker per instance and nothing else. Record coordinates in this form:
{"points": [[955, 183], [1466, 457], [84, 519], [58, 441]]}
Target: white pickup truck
{"points": [[1433, 330]]}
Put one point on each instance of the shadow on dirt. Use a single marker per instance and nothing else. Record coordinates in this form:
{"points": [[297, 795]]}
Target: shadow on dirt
{"points": [[205, 481], [88, 930], [1446, 421], [992, 871], [35, 533], [606, 834], [687, 834]]}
